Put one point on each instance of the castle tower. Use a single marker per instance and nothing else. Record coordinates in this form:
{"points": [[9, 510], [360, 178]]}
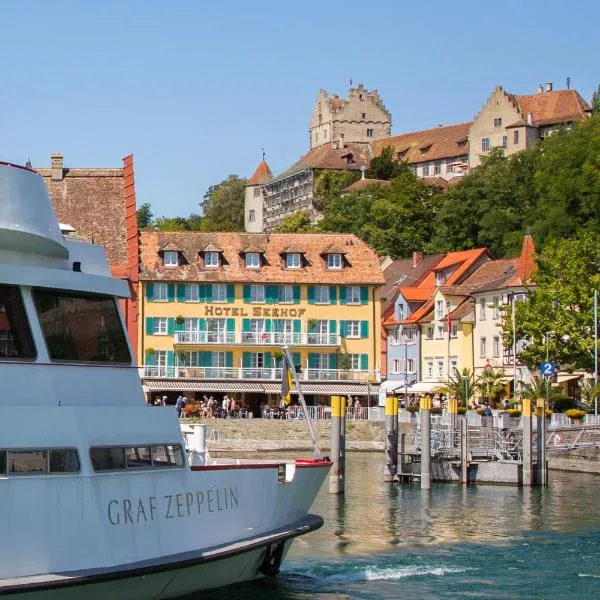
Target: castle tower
{"points": [[361, 118], [253, 199]]}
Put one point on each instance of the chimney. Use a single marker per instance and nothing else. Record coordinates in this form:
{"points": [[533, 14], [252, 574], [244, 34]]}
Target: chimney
{"points": [[417, 258], [529, 119], [548, 86], [540, 89], [56, 161]]}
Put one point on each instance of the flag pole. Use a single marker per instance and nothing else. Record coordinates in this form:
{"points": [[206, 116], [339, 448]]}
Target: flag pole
{"points": [[289, 364]]}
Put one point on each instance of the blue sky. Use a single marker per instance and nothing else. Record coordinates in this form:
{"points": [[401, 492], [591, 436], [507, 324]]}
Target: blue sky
{"points": [[195, 89]]}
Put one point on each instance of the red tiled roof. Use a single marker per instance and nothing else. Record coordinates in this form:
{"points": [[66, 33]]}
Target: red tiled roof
{"points": [[261, 175], [527, 264], [364, 265], [365, 182], [549, 108], [431, 144], [465, 259]]}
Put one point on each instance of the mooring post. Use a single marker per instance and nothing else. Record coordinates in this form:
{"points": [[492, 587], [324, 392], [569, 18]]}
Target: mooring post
{"points": [[453, 412], [425, 409], [541, 434], [338, 444], [391, 439], [464, 450], [527, 454]]}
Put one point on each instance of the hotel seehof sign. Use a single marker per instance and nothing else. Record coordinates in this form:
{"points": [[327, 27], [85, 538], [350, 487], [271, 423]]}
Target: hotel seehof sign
{"points": [[254, 311]]}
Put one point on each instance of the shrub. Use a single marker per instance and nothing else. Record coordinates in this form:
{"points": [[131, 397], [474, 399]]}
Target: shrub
{"points": [[436, 410], [480, 411], [461, 410], [563, 404], [411, 408], [538, 412], [514, 412], [575, 414]]}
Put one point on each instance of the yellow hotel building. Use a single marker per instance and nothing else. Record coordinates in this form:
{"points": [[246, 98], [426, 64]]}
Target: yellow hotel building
{"points": [[217, 308]]}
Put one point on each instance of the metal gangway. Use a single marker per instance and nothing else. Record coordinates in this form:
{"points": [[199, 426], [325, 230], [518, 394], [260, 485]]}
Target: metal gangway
{"points": [[565, 439]]}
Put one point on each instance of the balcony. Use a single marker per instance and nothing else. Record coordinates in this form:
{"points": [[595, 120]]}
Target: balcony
{"points": [[271, 374], [254, 338]]}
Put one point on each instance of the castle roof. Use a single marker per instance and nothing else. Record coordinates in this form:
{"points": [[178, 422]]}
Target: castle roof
{"points": [[550, 108], [450, 141], [261, 175]]}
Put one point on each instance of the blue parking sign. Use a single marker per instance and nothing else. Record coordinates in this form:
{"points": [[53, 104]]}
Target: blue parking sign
{"points": [[548, 368]]}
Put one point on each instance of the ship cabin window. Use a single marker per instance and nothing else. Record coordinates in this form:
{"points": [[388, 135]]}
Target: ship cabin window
{"points": [[81, 327], [15, 335], [34, 461], [136, 457]]}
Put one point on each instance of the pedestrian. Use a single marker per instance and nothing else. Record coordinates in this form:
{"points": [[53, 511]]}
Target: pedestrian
{"points": [[180, 406], [487, 411]]}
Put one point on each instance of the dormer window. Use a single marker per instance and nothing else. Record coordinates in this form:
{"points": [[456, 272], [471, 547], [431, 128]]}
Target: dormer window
{"points": [[253, 260], [293, 260], [440, 278], [211, 259], [334, 261], [171, 258]]}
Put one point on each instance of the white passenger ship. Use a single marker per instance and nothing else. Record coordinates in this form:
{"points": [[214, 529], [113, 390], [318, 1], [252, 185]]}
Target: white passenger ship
{"points": [[96, 494]]}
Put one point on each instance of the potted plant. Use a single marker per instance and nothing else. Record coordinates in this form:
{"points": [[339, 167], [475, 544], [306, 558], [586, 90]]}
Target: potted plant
{"points": [[575, 414], [181, 356], [311, 323], [149, 353], [278, 355], [344, 361], [179, 320]]}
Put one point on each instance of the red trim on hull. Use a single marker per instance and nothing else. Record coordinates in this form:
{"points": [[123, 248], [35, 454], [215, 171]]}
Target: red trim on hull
{"points": [[301, 463]]}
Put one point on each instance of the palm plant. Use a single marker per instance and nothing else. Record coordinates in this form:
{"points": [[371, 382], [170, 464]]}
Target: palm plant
{"points": [[589, 392], [490, 384], [461, 386]]}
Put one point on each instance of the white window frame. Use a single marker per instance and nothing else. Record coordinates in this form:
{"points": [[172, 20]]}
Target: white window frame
{"points": [[410, 365], [429, 369], [440, 278], [161, 292], [219, 292], [252, 260], [211, 259], [482, 312], [396, 366], [485, 144], [322, 292], [430, 332], [286, 294], [393, 337], [482, 347], [334, 261], [353, 294], [496, 346], [439, 309], [440, 367], [496, 309], [257, 293], [355, 362], [353, 329], [171, 259], [293, 260], [439, 332], [409, 336], [191, 292], [401, 311], [160, 326]]}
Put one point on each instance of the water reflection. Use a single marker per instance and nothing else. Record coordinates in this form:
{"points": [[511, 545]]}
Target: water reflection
{"points": [[374, 516]]}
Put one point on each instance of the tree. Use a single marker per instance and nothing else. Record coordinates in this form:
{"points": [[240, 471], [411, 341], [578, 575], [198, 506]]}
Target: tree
{"points": [[461, 386], [384, 166], [298, 222], [556, 319], [596, 102], [491, 384], [144, 215], [329, 183], [223, 205]]}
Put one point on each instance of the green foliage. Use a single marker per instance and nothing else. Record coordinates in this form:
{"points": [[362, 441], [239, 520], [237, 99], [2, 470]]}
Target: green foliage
{"points": [[223, 206], [395, 219], [461, 386], [298, 222], [344, 361], [177, 223], [588, 393], [384, 166], [329, 183], [562, 303], [144, 215], [596, 102], [514, 412], [575, 414], [491, 385], [563, 404]]}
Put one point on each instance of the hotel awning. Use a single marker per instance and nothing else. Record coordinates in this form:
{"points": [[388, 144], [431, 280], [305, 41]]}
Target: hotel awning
{"points": [[425, 387], [564, 377]]}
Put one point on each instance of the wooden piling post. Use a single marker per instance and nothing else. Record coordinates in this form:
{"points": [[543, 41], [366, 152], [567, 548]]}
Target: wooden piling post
{"points": [[338, 445], [391, 439], [453, 412]]}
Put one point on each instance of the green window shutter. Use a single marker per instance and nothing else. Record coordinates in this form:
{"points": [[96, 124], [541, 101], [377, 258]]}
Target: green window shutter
{"points": [[267, 362], [333, 361], [342, 294], [170, 325], [268, 325], [202, 359], [343, 328], [229, 359], [246, 292], [202, 324], [296, 292], [296, 358], [364, 361], [202, 293], [149, 292], [312, 360], [230, 325], [333, 294], [170, 358], [297, 326], [149, 326], [171, 292], [209, 292], [246, 360], [179, 326], [272, 294], [245, 324], [364, 294], [364, 329], [180, 292], [231, 293], [332, 326], [311, 294]]}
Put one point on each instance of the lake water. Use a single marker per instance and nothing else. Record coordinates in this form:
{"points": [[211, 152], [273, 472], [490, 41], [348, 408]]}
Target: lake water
{"points": [[383, 541]]}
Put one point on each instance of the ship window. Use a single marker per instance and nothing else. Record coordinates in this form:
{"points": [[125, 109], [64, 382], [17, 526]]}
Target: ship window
{"points": [[39, 460], [64, 460], [15, 335], [136, 457], [81, 327], [27, 461]]}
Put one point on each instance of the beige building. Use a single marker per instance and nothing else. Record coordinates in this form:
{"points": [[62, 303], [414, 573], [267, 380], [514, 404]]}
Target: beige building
{"points": [[362, 117], [253, 198], [516, 122]]}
